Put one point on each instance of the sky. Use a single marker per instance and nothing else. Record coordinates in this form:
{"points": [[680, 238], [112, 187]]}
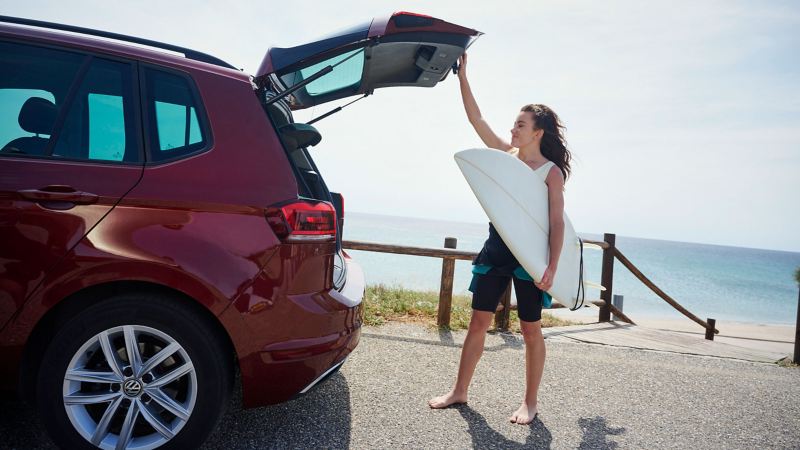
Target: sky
{"points": [[683, 117]]}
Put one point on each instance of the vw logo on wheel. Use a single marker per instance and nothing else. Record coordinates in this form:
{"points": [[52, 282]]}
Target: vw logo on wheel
{"points": [[132, 388]]}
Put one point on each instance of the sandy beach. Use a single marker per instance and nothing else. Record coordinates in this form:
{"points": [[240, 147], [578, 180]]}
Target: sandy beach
{"points": [[772, 337]]}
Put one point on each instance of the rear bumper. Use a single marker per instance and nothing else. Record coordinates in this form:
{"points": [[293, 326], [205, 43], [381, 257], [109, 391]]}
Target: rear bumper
{"points": [[294, 342], [268, 381], [335, 368]]}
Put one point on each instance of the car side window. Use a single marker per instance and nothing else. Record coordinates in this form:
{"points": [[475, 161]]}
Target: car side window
{"points": [[34, 83], [177, 125], [100, 123]]}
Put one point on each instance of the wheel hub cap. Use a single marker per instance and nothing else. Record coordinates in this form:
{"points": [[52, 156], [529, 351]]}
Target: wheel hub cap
{"points": [[132, 388]]}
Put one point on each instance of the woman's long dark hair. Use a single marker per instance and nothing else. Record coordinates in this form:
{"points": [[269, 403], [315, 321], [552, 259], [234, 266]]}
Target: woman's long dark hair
{"points": [[554, 144]]}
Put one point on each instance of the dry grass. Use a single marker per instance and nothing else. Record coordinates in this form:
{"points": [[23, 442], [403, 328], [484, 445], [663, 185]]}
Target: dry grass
{"points": [[787, 362], [385, 304]]}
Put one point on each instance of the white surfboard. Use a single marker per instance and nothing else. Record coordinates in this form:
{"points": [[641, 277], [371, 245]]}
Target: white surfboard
{"points": [[515, 199]]}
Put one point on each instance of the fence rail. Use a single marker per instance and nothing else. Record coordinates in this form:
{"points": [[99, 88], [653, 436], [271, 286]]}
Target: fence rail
{"points": [[449, 255]]}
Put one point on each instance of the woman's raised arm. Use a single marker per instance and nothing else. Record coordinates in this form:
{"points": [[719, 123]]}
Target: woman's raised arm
{"points": [[487, 135]]}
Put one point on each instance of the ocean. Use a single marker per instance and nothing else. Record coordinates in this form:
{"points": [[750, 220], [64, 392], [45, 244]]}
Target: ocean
{"points": [[712, 281]]}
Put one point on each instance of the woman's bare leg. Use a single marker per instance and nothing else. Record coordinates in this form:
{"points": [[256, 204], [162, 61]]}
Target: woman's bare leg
{"points": [[470, 355], [534, 367]]}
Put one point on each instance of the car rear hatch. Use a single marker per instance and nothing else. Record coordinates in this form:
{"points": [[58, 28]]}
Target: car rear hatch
{"points": [[405, 49]]}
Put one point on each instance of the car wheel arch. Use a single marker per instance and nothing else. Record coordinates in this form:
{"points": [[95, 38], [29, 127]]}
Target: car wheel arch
{"points": [[49, 324]]}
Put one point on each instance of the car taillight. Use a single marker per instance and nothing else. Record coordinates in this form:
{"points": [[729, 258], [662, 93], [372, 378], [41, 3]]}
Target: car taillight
{"points": [[303, 221]]}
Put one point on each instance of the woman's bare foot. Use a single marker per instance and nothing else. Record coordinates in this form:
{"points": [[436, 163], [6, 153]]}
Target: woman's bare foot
{"points": [[443, 401], [525, 414]]}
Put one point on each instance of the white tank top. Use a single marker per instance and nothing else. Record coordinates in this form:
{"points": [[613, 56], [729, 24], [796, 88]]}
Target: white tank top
{"points": [[541, 171]]}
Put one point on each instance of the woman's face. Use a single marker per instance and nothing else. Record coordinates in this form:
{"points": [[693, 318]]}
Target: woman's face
{"points": [[522, 133]]}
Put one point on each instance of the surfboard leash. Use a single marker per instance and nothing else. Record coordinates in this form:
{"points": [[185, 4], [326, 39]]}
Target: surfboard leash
{"points": [[581, 295]]}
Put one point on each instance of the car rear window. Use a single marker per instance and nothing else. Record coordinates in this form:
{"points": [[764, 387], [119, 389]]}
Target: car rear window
{"points": [[99, 124], [347, 72], [177, 122]]}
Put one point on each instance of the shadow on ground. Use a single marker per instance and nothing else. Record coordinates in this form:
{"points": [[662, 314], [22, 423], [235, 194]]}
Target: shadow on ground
{"points": [[320, 419], [20, 427], [484, 436], [595, 434]]}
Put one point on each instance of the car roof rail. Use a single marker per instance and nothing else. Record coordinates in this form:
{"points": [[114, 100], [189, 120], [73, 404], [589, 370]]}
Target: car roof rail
{"points": [[188, 53]]}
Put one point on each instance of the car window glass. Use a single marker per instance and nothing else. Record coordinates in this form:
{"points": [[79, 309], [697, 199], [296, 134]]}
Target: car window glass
{"points": [[34, 82], [172, 126], [176, 125], [106, 127], [345, 75], [11, 101], [100, 122]]}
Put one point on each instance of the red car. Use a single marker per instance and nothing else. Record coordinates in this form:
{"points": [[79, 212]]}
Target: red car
{"points": [[164, 228]]}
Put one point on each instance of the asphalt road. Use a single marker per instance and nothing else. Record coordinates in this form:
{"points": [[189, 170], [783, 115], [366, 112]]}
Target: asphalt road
{"points": [[592, 397]]}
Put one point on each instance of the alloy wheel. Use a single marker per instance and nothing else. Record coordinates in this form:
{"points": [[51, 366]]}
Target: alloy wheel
{"points": [[130, 387]]}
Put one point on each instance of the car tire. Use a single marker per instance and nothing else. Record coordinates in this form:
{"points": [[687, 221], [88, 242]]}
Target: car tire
{"points": [[170, 395]]}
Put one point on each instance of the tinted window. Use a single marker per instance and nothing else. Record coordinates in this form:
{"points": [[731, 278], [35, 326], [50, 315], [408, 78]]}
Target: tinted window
{"points": [[34, 83], [177, 122], [100, 121], [346, 74]]}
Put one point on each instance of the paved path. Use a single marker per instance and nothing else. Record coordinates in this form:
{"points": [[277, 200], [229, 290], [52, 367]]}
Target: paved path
{"points": [[621, 334], [592, 397]]}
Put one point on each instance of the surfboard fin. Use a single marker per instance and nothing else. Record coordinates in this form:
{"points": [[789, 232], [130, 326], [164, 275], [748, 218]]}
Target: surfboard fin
{"points": [[592, 285]]}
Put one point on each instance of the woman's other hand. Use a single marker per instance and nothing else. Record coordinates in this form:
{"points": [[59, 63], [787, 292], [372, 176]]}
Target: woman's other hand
{"points": [[547, 279]]}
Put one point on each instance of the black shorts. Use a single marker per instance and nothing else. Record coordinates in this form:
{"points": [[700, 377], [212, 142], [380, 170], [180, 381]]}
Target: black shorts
{"points": [[489, 288]]}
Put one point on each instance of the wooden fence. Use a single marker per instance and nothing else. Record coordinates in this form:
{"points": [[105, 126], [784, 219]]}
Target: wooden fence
{"points": [[449, 254]]}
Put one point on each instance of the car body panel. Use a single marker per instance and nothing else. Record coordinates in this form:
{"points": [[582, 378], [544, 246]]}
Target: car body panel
{"points": [[36, 235], [282, 357]]}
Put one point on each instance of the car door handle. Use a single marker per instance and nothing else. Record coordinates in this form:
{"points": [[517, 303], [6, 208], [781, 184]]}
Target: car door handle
{"points": [[59, 193]]}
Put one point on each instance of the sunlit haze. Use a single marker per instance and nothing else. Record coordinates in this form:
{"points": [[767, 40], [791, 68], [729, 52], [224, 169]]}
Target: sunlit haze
{"points": [[683, 117]]}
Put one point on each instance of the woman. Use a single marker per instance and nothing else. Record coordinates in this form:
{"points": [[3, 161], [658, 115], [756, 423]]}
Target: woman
{"points": [[537, 139]]}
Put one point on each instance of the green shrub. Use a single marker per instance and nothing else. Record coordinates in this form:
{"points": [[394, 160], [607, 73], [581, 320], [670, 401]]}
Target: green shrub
{"points": [[394, 303]]}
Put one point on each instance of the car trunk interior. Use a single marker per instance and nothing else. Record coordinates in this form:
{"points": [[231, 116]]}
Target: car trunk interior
{"points": [[296, 138]]}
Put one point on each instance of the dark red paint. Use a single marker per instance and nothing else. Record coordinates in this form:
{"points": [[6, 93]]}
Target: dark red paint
{"points": [[196, 226]]}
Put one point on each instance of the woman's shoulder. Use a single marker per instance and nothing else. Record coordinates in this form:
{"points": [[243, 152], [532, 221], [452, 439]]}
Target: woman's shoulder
{"points": [[554, 174]]}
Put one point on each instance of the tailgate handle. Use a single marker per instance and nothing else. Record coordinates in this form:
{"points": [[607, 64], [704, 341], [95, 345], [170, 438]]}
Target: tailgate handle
{"points": [[59, 193]]}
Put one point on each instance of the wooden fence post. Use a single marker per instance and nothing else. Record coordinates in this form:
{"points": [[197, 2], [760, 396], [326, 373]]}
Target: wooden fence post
{"points": [[712, 323], [607, 277], [503, 317], [446, 290], [797, 330]]}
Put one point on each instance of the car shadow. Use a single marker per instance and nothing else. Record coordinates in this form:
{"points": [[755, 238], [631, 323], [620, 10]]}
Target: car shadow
{"points": [[19, 425], [484, 436], [595, 433], [319, 419]]}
